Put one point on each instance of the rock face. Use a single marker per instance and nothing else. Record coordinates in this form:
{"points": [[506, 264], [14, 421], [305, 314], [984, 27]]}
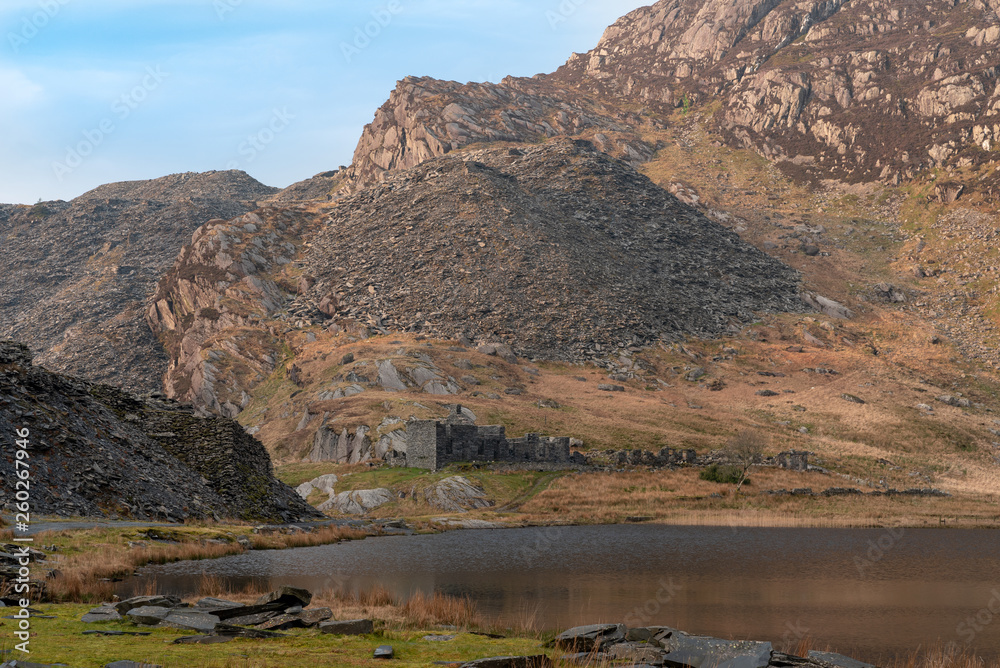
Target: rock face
{"points": [[860, 90], [549, 249], [230, 278], [426, 118], [358, 502], [99, 451], [457, 494], [74, 277]]}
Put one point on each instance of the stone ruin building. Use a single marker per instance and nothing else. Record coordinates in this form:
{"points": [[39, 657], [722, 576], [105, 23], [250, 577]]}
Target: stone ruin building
{"points": [[431, 444], [794, 460]]}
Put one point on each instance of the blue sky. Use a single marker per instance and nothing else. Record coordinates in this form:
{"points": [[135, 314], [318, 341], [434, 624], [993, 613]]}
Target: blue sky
{"points": [[95, 91]]}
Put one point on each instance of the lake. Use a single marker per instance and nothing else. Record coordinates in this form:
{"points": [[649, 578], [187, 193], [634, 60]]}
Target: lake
{"points": [[869, 592]]}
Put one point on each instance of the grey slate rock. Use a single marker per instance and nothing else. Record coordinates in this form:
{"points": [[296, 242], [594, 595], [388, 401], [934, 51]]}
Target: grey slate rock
{"points": [[353, 627], [202, 640], [589, 638], [251, 620], [191, 620], [686, 651], [104, 613], [383, 652], [287, 596], [148, 615], [139, 601]]}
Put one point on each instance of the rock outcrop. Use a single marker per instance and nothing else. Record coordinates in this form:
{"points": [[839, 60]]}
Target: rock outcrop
{"points": [[425, 118], [861, 90], [99, 451], [75, 276]]}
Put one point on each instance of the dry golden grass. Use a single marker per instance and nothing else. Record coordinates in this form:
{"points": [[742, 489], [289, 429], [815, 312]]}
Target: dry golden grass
{"points": [[88, 575], [323, 536]]}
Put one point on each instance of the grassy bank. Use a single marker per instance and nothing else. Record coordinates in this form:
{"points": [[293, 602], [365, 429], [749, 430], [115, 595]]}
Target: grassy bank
{"points": [[87, 562]]}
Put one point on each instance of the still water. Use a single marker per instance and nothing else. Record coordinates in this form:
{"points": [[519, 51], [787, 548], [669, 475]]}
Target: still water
{"points": [[869, 592]]}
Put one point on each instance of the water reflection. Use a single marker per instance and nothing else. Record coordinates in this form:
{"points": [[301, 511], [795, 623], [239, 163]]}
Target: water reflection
{"points": [[851, 589]]}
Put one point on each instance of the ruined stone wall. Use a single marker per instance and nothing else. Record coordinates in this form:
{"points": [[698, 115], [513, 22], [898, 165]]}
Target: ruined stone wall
{"points": [[433, 445]]}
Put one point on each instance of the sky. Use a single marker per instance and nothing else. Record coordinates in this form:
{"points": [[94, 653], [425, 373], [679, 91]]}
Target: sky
{"points": [[98, 91]]}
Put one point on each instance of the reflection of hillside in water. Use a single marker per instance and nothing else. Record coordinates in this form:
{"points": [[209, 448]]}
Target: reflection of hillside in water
{"points": [[837, 586]]}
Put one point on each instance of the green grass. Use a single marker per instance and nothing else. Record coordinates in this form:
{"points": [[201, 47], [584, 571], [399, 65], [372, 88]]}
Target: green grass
{"points": [[60, 640]]}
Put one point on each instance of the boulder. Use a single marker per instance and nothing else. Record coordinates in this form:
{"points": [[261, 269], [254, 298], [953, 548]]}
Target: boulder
{"points": [[353, 627], [457, 494], [358, 502], [590, 638]]}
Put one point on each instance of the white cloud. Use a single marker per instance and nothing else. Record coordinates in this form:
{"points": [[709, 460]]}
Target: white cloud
{"points": [[18, 89]]}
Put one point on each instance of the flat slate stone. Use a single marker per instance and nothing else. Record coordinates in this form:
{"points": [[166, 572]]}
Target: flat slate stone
{"points": [[149, 615], [588, 638], [315, 616], [117, 633], [283, 623], [240, 632], [838, 660], [438, 638], [383, 652], [139, 601], [352, 627], [686, 651], [251, 620], [193, 621], [202, 640], [210, 603], [538, 661], [105, 613]]}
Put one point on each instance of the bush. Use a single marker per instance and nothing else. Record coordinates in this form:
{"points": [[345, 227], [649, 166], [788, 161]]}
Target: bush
{"points": [[728, 475]]}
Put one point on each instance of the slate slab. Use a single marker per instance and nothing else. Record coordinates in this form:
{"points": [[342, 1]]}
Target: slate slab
{"points": [[351, 627], [684, 651], [104, 613], [383, 652], [589, 638], [192, 620], [140, 601], [148, 615]]}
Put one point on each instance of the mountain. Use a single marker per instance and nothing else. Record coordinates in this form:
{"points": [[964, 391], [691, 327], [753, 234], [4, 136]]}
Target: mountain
{"points": [[75, 276], [557, 250], [97, 450]]}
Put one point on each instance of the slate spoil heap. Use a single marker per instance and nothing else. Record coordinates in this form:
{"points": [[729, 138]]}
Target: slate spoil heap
{"points": [[99, 451], [75, 276], [558, 250]]}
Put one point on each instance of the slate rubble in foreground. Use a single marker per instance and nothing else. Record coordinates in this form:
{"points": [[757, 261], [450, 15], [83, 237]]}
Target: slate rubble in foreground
{"points": [[217, 620]]}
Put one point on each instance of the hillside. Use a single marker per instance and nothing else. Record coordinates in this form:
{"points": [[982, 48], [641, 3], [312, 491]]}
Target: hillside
{"points": [[75, 276], [98, 451], [557, 251]]}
